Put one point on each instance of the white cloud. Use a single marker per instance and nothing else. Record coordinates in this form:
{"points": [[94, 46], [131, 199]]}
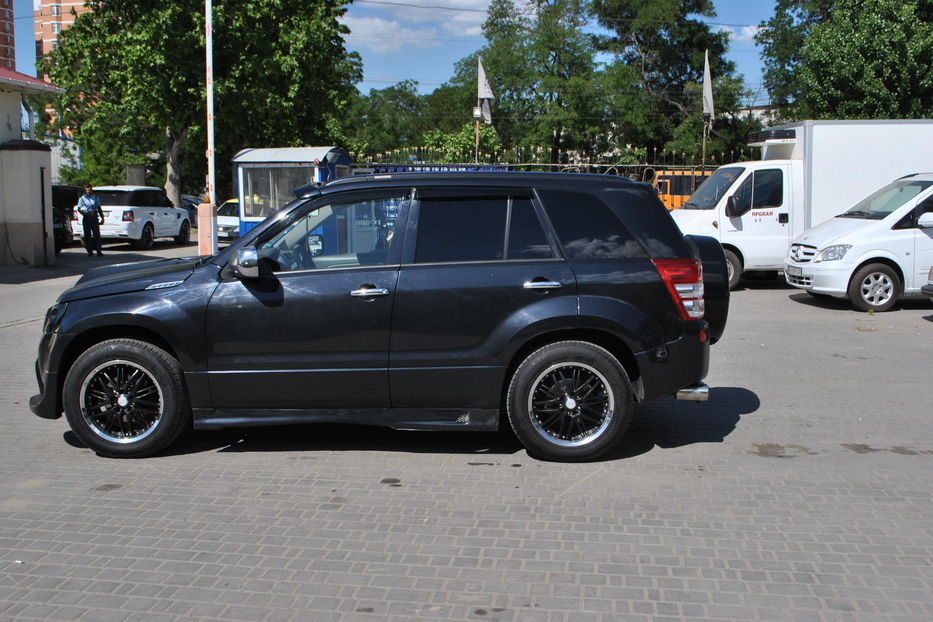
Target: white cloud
{"points": [[387, 36], [742, 34]]}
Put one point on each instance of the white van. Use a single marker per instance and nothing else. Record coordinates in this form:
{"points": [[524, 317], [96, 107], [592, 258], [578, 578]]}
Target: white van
{"points": [[872, 254], [809, 171]]}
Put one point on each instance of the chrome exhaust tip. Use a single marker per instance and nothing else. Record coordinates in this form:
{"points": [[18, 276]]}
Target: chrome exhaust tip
{"points": [[698, 392]]}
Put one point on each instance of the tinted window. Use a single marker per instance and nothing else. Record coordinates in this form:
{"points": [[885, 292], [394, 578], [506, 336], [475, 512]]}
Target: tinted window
{"points": [[114, 197], [587, 228], [527, 239], [461, 228], [340, 234], [762, 189]]}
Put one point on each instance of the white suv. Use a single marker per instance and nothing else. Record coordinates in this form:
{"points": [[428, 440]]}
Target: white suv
{"points": [[139, 215], [876, 252]]}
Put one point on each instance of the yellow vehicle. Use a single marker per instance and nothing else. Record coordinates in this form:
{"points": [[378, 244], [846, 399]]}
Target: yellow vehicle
{"points": [[676, 186]]}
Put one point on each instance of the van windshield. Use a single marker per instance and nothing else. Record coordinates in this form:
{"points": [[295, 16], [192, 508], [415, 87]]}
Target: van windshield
{"points": [[709, 193], [883, 202]]}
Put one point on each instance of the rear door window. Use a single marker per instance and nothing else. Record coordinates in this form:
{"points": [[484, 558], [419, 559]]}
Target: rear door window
{"points": [[478, 225]]}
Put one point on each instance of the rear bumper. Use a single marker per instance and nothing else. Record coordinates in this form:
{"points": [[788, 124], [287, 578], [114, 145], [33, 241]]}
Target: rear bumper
{"points": [[675, 366]]}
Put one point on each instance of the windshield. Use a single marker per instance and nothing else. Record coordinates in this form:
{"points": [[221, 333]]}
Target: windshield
{"points": [[882, 203], [709, 193], [229, 208]]}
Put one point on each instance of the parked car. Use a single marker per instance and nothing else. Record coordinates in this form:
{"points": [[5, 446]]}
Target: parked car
{"points": [[228, 221], [64, 199], [415, 301], [190, 204], [872, 254], [139, 215]]}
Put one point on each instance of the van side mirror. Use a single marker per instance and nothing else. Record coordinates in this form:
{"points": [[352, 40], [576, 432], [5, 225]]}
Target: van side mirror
{"points": [[245, 263], [925, 221], [733, 209]]}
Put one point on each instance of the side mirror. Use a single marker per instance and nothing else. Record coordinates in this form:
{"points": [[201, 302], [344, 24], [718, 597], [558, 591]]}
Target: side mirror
{"points": [[245, 263], [316, 244], [733, 210], [925, 221]]}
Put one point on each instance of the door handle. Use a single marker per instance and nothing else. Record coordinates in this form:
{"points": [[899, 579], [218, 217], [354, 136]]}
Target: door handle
{"points": [[541, 285], [367, 291]]}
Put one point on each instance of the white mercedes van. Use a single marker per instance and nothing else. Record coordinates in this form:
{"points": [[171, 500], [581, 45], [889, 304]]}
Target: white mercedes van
{"points": [[873, 254]]}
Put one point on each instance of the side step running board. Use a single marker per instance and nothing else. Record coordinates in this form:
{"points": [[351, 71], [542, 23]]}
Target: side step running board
{"points": [[698, 392]]}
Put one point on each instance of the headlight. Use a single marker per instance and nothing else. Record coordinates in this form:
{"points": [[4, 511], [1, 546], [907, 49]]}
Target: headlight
{"points": [[832, 253], [53, 317]]}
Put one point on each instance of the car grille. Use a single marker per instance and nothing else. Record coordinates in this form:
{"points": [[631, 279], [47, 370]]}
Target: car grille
{"points": [[799, 281], [801, 253]]}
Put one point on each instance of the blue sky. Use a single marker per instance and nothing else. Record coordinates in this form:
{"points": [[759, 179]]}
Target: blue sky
{"points": [[422, 39]]}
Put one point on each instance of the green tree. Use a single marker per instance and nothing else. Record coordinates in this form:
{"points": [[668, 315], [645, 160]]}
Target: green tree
{"points": [[782, 39], [869, 60], [460, 146], [133, 71], [660, 46], [386, 119]]}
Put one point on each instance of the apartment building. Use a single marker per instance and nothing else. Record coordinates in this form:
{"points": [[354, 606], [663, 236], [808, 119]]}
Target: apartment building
{"points": [[51, 18], [7, 45]]}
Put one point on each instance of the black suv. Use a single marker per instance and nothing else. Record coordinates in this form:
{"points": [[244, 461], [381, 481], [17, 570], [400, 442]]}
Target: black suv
{"points": [[415, 301]]}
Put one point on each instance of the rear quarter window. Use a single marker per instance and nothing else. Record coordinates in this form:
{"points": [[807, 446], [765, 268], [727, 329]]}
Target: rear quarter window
{"points": [[587, 228]]}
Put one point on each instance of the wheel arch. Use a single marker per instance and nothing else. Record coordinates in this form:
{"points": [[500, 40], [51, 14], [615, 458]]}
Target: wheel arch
{"points": [[613, 344], [880, 259], [92, 336]]}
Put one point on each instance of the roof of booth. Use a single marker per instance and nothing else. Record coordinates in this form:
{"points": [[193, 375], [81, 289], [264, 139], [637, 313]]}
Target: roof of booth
{"points": [[21, 83], [285, 154]]}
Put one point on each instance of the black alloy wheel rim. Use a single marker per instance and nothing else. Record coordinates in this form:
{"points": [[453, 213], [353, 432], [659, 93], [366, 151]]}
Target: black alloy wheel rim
{"points": [[121, 402], [571, 404]]}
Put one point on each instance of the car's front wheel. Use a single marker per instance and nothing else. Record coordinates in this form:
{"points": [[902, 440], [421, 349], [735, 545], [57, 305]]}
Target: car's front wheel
{"points": [[570, 401], [126, 398], [875, 287]]}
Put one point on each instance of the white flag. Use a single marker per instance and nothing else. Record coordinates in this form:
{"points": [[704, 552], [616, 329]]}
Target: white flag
{"points": [[484, 93], [707, 88]]}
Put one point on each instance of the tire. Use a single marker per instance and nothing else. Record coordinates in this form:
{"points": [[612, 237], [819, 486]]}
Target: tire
{"points": [[147, 239], [734, 267], [874, 287], [126, 398], [184, 234], [570, 401]]}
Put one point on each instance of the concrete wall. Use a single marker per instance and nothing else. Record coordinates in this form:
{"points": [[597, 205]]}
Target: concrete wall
{"points": [[25, 176], [10, 116]]}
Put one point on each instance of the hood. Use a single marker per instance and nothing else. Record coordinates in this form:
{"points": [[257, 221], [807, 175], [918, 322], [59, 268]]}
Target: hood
{"points": [[835, 230], [696, 221], [131, 277]]}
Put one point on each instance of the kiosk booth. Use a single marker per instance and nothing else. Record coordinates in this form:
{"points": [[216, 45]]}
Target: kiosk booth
{"points": [[267, 178]]}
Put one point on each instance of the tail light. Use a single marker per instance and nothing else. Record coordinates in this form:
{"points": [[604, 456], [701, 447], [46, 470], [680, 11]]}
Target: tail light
{"points": [[128, 216], [684, 281], [74, 215]]}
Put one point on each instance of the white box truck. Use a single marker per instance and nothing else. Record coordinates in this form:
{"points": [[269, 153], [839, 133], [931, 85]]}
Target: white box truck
{"points": [[810, 171]]}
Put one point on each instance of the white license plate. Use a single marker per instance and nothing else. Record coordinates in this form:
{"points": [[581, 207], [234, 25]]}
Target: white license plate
{"points": [[793, 270]]}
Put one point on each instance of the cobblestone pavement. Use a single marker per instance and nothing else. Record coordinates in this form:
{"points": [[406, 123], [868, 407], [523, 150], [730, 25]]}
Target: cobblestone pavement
{"points": [[803, 490]]}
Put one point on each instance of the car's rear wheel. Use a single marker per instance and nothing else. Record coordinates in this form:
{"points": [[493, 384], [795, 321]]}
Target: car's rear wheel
{"points": [[126, 398], [875, 287], [184, 234], [570, 401], [147, 239]]}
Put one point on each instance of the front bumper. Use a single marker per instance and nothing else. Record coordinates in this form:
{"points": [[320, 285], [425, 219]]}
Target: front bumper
{"points": [[829, 277], [46, 403]]}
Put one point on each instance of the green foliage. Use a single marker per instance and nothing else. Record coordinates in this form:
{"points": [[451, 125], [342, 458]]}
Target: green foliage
{"points": [[133, 71], [850, 59], [869, 60], [460, 146], [782, 39]]}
